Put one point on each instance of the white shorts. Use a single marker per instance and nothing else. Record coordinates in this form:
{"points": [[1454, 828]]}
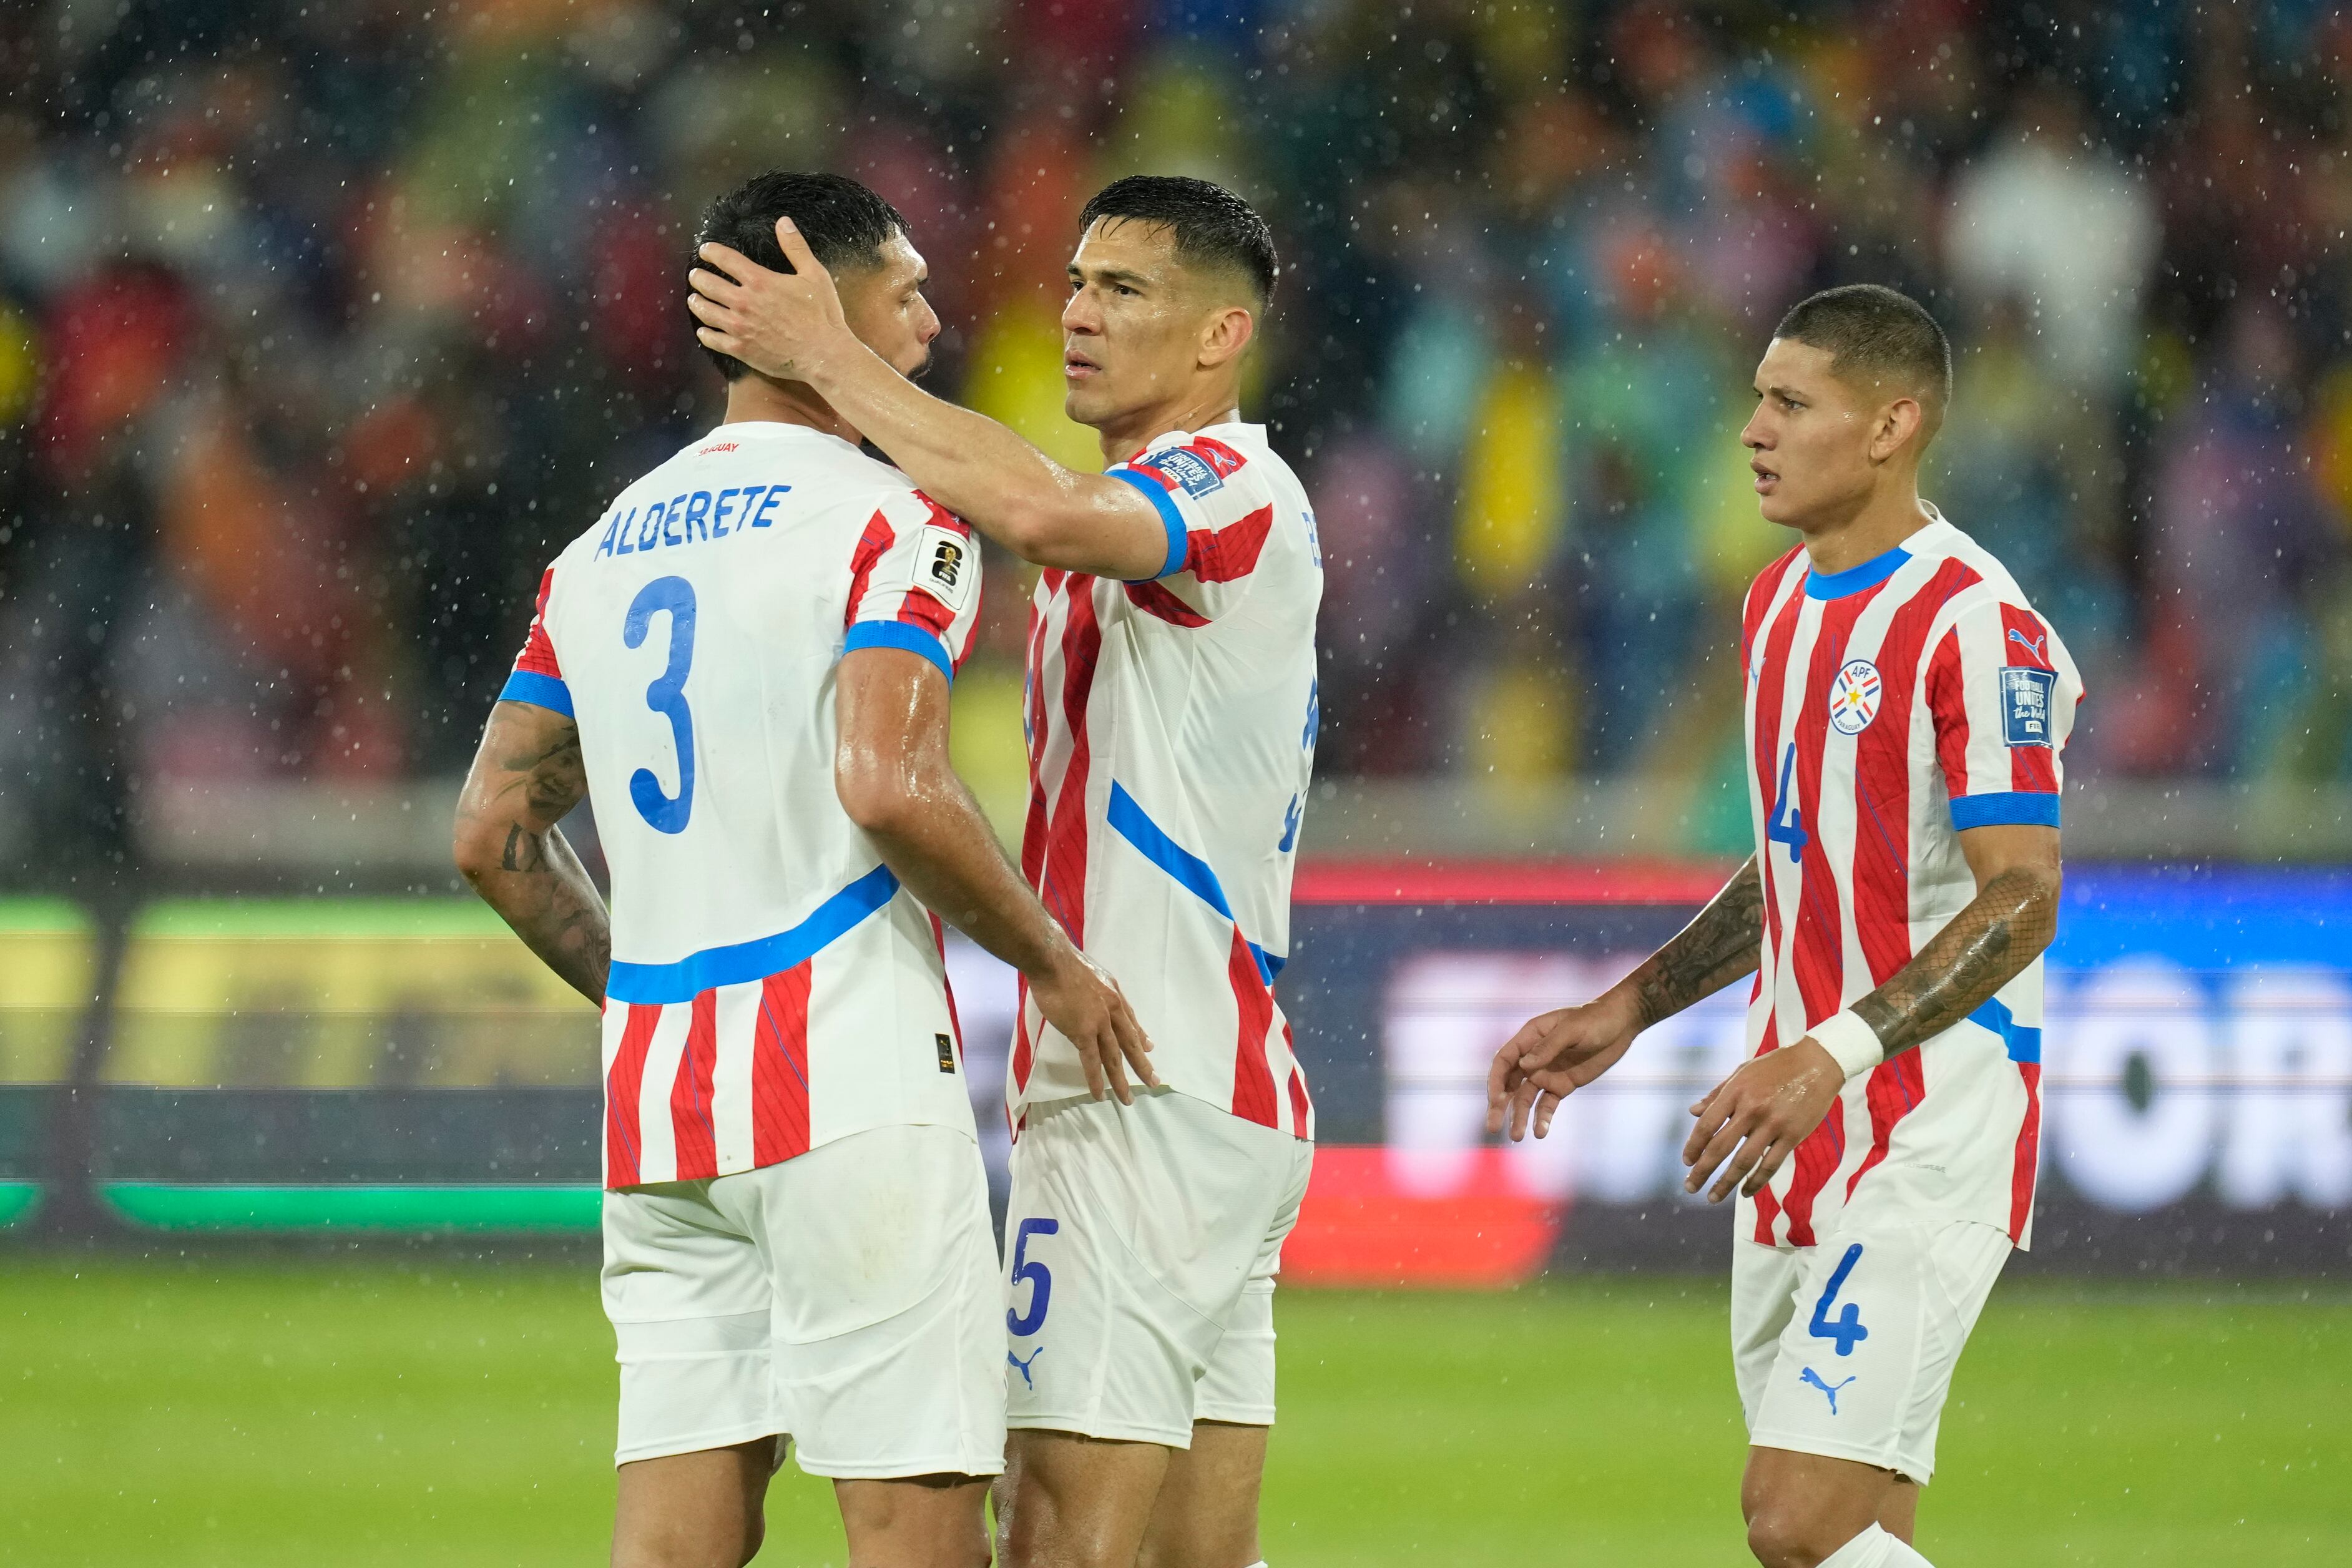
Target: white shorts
{"points": [[1846, 1348], [1141, 1244], [847, 1298]]}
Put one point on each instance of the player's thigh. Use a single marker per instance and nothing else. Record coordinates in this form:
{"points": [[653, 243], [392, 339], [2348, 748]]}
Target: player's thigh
{"points": [[699, 1509], [1206, 1513], [1068, 1500], [938, 1522], [687, 1291], [887, 1336], [1865, 1362], [1130, 1235], [1801, 1508]]}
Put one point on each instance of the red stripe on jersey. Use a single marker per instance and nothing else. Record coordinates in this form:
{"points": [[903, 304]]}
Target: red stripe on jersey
{"points": [[1950, 709], [1062, 885], [1767, 1207], [877, 538], [1817, 945], [1882, 780], [2024, 640], [1033, 828], [1024, 1050], [1759, 600], [1895, 1091], [538, 654], [1769, 690], [779, 1088], [696, 1136], [1817, 1158], [2029, 1152], [1231, 552], [1252, 1071], [1154, 599], [1221, 458], [918, 608], [947, 988], [623, 1140], [942, 517], [1302, 1109]]}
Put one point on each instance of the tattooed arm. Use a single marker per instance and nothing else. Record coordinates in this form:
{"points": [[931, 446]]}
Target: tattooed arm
{"points": [[1563, 1051], [527, 774], [1765, 1108]]}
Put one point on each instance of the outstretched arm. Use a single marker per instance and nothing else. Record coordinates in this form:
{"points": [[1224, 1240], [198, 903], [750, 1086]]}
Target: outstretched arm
{"points": [[790, 325], [525, 777], [1765, 1108], [1563, 1051]]}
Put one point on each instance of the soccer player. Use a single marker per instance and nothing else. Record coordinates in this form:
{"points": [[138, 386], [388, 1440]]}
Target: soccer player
{"points": [[1905, 711], [1171, 722], [746, 663]]}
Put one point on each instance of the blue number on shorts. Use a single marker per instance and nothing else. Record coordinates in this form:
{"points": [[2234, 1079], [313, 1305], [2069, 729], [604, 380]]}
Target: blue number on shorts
{"points": [[1846, 1327], [1788, 824], [1041, 1278], [666, 697]]}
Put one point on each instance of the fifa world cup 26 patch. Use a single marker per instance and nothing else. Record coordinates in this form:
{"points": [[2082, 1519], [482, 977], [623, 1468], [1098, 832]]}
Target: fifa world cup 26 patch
{"points": [[1187, 468], [2025, 705], [950, 565]]}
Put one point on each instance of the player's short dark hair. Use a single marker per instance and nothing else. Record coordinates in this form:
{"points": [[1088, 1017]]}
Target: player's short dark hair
{"points": [[1212, 227], [1878, 333], [845, 225]]}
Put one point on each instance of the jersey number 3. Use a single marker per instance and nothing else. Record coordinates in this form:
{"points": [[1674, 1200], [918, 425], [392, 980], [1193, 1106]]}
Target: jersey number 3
{"points": [[666, 697]]}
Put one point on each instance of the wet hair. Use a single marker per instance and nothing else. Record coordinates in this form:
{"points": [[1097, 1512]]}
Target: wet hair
{"points": [[1213, 228], [845, 225], [1875, 334]]}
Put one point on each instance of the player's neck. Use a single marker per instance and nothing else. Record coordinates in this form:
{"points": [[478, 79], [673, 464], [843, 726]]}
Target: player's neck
{"points": [[1882, 521], [1128, 436], [755, 399]]}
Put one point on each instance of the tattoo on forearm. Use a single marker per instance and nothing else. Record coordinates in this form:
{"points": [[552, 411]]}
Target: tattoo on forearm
{"points": [[1724, 943], [539, 884], [2003, 928]]}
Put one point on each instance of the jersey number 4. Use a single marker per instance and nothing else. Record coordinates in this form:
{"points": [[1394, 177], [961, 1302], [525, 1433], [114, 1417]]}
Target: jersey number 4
{"points": [[1845, 1329], [1788, 824], [666, 697]]}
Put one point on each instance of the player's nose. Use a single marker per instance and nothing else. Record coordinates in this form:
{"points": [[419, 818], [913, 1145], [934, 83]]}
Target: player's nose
{"points": [[1079, 315]]}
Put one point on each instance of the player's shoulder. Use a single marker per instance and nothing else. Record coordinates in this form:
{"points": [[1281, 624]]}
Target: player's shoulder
{"points": [[1213, 459], [1972, 580]]}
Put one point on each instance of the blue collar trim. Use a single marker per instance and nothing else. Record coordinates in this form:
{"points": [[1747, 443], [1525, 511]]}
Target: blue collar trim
{"points": [[1855, 579]]}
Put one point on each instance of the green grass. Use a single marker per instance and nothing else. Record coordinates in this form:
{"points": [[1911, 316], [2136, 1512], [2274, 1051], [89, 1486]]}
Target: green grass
{"points": [[370, 1412]]}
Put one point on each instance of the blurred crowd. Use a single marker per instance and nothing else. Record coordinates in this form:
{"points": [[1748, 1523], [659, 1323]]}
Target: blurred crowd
{"points": [[323, 327]]}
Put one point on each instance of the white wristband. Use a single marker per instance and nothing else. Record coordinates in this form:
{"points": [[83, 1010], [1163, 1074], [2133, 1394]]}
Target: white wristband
{"points": [[1851, 1042]]}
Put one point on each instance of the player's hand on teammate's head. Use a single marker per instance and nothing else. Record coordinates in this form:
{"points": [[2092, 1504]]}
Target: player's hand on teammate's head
{"points": [[779, 323], [1077, 997], [1756, 1118], [1553, 1055]]}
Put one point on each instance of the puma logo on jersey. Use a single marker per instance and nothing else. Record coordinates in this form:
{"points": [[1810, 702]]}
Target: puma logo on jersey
{"points": [[1023, 1366], [1811, 1376], [2031, 644]]}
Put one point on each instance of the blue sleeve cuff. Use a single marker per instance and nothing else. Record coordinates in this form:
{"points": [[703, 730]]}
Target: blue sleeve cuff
{"points": [[899, 634], [544, 690], [2022, 807], [1165, 505]]}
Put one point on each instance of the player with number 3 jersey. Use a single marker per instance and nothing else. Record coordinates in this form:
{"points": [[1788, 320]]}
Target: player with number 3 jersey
{"points": [[746, 662], [1906, 711]]}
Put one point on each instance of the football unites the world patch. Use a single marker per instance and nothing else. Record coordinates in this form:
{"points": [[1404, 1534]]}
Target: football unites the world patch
{"points": [[1187, 468], [1854, 695], [2025, 705]]}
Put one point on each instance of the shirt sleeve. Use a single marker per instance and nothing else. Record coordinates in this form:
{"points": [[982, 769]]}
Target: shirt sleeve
{"points": [[538, 675], [2003, 696], [914, 583], [1218, 510]]}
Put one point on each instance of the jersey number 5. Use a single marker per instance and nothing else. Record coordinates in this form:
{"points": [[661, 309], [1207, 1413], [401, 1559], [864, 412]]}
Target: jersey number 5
{"points": [[666, 697], [1039, 1277]]}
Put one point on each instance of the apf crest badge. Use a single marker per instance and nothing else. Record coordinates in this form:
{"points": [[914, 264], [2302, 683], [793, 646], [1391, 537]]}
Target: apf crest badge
{"points": [[1854, 695]]}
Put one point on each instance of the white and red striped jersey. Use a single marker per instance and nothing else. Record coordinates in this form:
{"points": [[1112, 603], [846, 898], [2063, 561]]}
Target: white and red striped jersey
{"points": [[1889, 708], [1171, 734], [772, 987]]}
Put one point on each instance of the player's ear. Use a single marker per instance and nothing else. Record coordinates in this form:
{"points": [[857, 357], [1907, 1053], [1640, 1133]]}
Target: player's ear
{"points": [[1898, 422], [1226, 334]]}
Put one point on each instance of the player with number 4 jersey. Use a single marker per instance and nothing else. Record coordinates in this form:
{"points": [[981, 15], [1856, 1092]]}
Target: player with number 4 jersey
{"points": [[1906, 711]]}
